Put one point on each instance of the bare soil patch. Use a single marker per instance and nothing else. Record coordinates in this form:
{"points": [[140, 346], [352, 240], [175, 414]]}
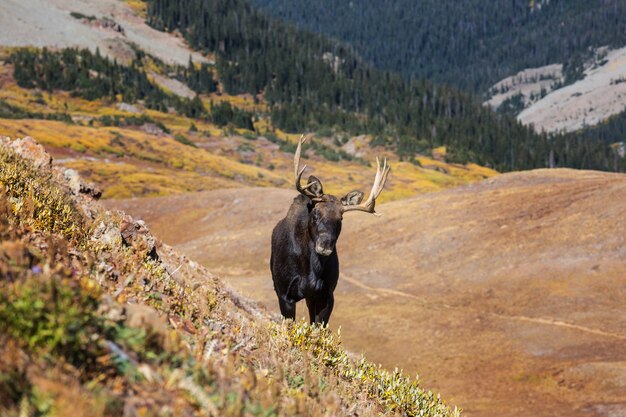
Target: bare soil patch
{"points": [[587, 102], [49, 23]]}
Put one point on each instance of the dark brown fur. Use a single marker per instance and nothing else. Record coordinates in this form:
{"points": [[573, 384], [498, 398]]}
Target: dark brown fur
{"points": [[304, 260]]}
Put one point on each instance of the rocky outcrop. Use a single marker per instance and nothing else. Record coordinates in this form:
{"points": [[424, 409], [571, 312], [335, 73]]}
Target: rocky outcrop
{"points": [[79, 186], [135, 233], [29, 149], [129, 232]]}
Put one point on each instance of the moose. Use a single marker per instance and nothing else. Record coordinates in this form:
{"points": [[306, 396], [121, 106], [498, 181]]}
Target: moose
{"points": [[304, 262]]}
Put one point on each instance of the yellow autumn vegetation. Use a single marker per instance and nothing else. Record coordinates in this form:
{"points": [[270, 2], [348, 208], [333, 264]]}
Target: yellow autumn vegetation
{"points": [[131, 162]]}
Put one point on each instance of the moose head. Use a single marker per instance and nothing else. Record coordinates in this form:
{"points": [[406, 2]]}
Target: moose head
{"points": [[326, 210]]}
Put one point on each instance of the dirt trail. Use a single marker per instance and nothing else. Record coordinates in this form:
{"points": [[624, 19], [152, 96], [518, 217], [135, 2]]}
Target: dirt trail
{"points": [[424, 302], [387, 291], [553, 322], [506, 295]]}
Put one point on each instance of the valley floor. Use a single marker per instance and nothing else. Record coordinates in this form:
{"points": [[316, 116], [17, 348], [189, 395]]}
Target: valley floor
{"points": [[506, 295]]}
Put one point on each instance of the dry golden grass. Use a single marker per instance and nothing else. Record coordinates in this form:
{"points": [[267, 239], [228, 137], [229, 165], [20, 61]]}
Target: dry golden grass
{"points": [[242, 101], [140, 7], [130, 162]]}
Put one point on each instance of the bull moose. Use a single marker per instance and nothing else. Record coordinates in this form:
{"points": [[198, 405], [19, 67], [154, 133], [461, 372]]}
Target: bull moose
{"points": [[304, 260]]}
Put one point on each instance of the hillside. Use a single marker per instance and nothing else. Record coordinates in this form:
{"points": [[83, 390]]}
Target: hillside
{"points": [[472, 45], [506, 295], [503, 291], [139, 122], [499, 52], [310, 81], [259, 77], [537, 96], [587, 102], [99, 318], [112, 26], [138, 148]]}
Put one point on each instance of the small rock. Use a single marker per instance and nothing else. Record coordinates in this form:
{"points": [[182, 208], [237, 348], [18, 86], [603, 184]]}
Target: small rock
{"points": [[111, 310], [152, 129], [106, 234], [136, 233], [128, 108], [28, 148], [148, 373], [78, 186], [189, 327], [14, 257]]}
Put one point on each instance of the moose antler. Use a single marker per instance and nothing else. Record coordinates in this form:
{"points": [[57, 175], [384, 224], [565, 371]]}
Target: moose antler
{"points": [[379, 183], [299, 171]]}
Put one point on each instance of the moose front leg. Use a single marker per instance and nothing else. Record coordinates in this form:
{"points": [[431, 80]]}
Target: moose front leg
{"points": [[320, 309], [287, 308]]}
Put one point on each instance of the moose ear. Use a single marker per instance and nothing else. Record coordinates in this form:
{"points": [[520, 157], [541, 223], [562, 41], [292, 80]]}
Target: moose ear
{"points": [[352, 198], [316, 188]]}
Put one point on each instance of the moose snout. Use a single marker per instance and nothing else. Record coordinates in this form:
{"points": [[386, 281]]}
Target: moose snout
{"points": [[324, 246]]}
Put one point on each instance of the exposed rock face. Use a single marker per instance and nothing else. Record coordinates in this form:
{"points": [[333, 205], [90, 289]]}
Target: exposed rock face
{"points": [[29, 149], [152, 129], [79, 186], [136, 233], [106, 23], [586, 102], [128, 108], [129, 232], [106, 234]]}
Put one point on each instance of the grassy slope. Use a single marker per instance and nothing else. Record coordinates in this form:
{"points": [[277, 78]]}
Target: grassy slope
{"points": [[90, 325], [129, 162]]}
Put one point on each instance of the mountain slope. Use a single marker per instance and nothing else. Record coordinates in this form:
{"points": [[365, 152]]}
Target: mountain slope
{"points": [[98, 318], [587, 102], [294, 81], [514, 285], [111, 25], [471, 44], [310, 81], [537, 96], [139, 147], [532, 47]]}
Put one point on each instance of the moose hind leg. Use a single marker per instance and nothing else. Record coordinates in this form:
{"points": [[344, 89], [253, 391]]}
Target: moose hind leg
{"points": [[287, 308]]}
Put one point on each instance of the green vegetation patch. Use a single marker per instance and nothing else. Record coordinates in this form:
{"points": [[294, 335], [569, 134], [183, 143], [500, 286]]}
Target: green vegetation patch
{"points": [[93, 76], [8, 111], [224, 113], [80, 16]]}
